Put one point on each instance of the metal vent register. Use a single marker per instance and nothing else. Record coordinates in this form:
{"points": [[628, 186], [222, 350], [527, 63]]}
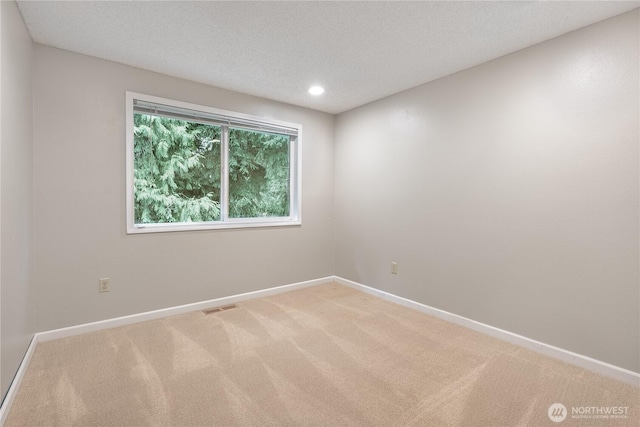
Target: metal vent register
{"points": [[219, 309]]}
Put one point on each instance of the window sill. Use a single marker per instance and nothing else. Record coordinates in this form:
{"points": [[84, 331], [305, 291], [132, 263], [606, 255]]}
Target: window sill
{"points": [[200, 226]]}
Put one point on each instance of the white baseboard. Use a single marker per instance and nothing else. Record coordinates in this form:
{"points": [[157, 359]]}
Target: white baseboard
{"points": [[584, 362], [17, 380], [172, 311], [137, 318], [602, 368]]}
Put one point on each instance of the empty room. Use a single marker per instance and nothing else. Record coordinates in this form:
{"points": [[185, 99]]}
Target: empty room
{"points": [[319, 213]]}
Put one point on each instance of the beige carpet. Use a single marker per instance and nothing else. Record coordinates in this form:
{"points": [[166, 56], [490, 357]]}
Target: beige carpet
{"points": [[321, 356]]}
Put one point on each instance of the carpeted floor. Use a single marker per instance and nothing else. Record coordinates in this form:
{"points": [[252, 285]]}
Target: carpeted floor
{"points": [[321, 356]]}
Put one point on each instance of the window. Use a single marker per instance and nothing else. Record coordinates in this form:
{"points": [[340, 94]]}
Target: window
{"points": [[191, 167]]}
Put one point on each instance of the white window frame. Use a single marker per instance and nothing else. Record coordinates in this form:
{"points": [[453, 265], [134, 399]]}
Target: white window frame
{"points": [[255, 122]]}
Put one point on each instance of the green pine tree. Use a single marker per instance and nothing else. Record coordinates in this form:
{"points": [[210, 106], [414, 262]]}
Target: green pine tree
{"points": [[177, 172]]}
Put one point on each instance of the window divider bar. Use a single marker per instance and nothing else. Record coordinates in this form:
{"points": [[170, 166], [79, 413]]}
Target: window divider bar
{"points": [[224, 174]]}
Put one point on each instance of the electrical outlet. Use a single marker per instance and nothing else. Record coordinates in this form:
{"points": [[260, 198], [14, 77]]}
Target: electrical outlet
{"points": [[104, 285], [394, 268]]}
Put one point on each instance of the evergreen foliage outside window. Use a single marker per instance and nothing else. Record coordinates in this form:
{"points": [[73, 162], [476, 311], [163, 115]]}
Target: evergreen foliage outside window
{"points": [[258, 174], [176, 170], [197, 167]]}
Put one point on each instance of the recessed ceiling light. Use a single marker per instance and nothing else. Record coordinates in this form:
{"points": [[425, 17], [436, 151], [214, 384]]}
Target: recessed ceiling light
{"points": [[316, 90]]}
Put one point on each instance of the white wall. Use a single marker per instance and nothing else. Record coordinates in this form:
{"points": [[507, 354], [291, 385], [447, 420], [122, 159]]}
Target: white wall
{"points": [[508, 193], [79, 163], [16, 194]]}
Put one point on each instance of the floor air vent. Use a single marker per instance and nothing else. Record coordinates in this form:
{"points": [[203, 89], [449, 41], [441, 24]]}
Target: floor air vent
{"points": [[219, 309]]}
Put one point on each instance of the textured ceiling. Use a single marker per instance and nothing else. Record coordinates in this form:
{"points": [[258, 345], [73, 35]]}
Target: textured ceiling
{"points": [[359, 51]]}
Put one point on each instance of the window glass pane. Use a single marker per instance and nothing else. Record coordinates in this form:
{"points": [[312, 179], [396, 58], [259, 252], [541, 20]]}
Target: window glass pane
{"points": [[176, 170], [258, 174]]}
